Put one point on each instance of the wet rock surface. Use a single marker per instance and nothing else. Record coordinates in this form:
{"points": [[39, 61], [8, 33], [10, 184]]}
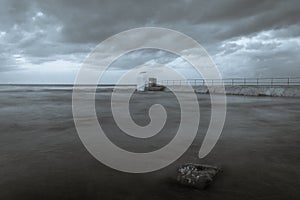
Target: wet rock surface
{"points": [[196, 175]]}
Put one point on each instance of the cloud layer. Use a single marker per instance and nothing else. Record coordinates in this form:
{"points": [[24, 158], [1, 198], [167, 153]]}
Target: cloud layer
{"points": [[244, 37]]}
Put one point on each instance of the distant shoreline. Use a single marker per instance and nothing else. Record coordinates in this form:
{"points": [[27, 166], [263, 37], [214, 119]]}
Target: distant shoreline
{"points": [[69, 85]]}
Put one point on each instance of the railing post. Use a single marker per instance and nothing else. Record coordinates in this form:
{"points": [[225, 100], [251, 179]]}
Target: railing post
{"points": [[202, 82], [195, 82], [288, 81], [271, 81], [232, 82], [212, 82]]}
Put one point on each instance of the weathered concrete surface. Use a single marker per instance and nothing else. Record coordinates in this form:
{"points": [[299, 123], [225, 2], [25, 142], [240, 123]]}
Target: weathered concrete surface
{"points": [[41, 156], [279, 91]]}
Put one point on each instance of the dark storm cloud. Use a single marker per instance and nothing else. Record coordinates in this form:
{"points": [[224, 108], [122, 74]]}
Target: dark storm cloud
{"points": [[96, 20], [35, 31]]}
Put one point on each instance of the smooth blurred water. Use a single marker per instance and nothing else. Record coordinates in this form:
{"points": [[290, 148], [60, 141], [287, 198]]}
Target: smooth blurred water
{"points": [[42, 157]]}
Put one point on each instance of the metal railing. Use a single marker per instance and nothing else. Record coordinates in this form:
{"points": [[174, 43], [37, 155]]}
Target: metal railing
{"points": [[235, 82]]}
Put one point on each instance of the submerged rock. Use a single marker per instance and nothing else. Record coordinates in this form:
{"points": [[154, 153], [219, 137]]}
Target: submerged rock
{"points": [[196, 175]]}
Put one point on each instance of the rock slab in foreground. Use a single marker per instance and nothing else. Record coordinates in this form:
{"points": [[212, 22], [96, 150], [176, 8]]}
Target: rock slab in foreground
{"points": [[196, 175]]}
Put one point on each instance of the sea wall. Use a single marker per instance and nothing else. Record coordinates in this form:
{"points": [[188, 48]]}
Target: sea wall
{"points": [[280, 91]]}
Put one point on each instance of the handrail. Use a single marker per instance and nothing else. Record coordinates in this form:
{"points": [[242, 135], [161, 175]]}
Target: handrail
{"points": [[280, 81]]}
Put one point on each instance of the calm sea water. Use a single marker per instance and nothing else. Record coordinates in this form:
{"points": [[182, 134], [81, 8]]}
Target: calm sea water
{"points": [[32, 88]]}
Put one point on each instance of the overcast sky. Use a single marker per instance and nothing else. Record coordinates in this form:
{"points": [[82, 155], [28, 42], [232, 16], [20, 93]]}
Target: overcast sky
{"points": [[45, 41]]}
